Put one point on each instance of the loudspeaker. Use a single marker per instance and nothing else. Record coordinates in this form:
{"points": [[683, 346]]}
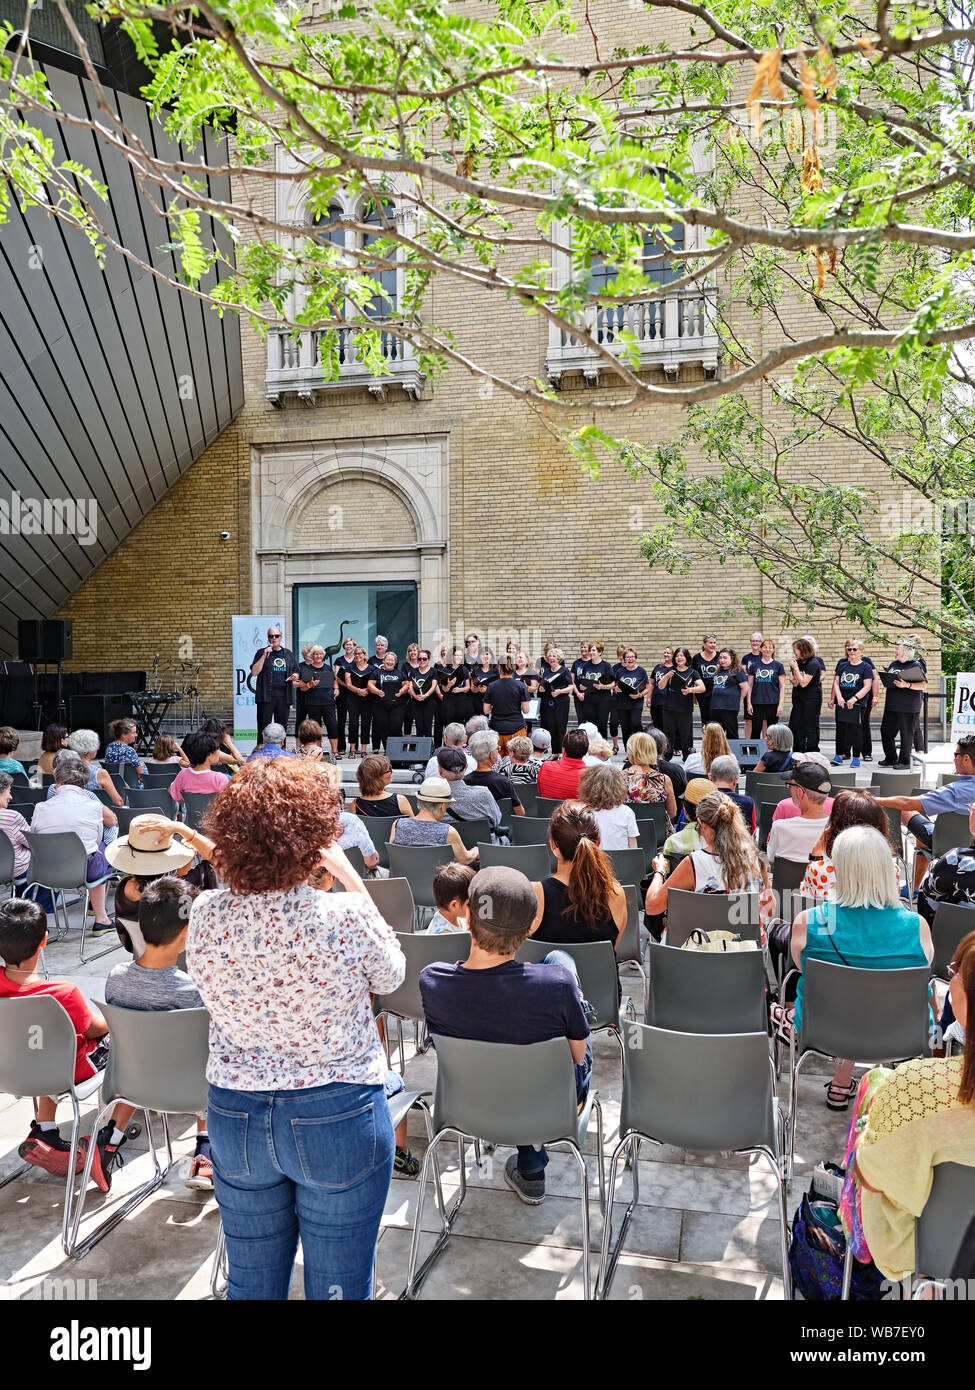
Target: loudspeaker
{"points": [[97, 712], [46, 641]]}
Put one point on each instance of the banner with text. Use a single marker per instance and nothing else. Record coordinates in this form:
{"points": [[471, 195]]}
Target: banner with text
{"points": [[963, 714], [249, 634]]}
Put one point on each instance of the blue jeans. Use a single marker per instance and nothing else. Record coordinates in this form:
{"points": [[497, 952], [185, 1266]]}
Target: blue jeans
{"points": [[315, 1163], [532, 1158]]}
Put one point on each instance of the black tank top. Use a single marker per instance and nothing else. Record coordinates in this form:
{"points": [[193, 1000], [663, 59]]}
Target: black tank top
{"points": [[387, 806], [556, 927]]}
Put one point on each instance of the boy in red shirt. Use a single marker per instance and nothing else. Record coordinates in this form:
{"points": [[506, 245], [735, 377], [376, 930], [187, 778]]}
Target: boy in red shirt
{"points": [[23, 933]]}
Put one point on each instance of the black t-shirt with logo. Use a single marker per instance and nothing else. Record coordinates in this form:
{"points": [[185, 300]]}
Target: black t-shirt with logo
{"points": [[577, 668], [765, 691], [630, 682], [483, 678], [529, 680], [706, 667], [278, 663], [904, 701], [389, 683], [727, 688], [812, 693], [851, 680], [422, 679], [360, 679], [552, 680], [659, 670], [461, 676], [593, 671], [323, 692], [673, 695], [342, 668], [750, 661]]}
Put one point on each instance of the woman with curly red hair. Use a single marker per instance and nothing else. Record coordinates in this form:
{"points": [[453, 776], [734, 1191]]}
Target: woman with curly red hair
{"points": [[299, 1126]]}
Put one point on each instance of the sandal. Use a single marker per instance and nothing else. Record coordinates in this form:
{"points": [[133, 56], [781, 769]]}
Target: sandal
{"points": [[839, 1097], [780, 1016], [406, 1164]]}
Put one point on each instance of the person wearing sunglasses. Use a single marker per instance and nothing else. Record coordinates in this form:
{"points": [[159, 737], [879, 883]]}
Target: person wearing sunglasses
{"points": [[275, 671]]}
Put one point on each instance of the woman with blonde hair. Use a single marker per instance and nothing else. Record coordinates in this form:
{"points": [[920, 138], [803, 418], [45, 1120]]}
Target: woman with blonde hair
{"points": [[714, 744], [644, 780], [555, 686], [603, 788], [727, 863]]}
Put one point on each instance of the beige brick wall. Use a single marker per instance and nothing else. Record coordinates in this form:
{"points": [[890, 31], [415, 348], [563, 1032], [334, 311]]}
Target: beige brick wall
{"points": [[350, 514]]}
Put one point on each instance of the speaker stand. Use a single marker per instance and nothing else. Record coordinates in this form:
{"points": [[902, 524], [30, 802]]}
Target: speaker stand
{"points": [[37, 708], [62, 707]]}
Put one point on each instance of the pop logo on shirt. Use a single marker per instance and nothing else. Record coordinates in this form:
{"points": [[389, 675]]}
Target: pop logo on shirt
{"points": [[763, 673]]}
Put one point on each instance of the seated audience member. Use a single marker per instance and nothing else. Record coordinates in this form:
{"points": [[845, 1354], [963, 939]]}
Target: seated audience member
{"points": [[164, 750], [688, 838], [581, 901], [71, 807], [9, 743], [352, 833], [274, 737], [559, 778], [795, 837], [491, 997], [428, 826], [866, 925], [96, 779], [590, 730], [600, 752], [466, 802], [53, 739], [645, 780], [122, 736], [85, 743], [477, 724], [787, 808], [23, 934], [724, 774], [714, 744], [13, 826], [849, 808], [202, 751], [665, 762], [778, 749], [727, 861], [156, 984], [228, 752], [149, 853], [922, 1114], [917, 812], [308, 737], [950, 879], [451, 883], [374, 775], [484, 749], [454, 736], [519, 763], [541, 741], [603, 790]]}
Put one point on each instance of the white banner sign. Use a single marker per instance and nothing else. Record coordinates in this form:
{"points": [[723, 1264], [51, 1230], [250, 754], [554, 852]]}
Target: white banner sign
{"points": [[250, 633], [963, 714]]}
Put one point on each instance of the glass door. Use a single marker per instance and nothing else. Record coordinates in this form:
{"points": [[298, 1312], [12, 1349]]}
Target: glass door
{"points": [[329, 613]]}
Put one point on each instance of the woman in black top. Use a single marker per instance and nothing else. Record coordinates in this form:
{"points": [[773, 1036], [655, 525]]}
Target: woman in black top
{"points": [[555, 690], [705, 664], [444, 677], [901, 706], [409, 669], [631, 686], [506, 705], [577, 689], [615, 704], [582, 901], [374, 775], [678, 687], [655, 698], [843, 740], [853, 685], [343, 665], [806, 675], [316, 680], [424, 695], [457, 689], [389, 689], [597, 686], [357, 680], [482, 675]]}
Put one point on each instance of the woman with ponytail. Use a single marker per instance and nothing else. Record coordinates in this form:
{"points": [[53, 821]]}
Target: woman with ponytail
{"points": [[582, 901], [728, 863]]}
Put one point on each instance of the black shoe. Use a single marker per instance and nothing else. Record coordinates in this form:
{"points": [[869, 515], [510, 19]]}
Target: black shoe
{"points": [[884, 763], [100, 928], [107, 1157]]}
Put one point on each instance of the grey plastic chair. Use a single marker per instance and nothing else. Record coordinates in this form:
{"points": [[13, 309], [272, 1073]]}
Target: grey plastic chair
{"points": [[354, 856], [787, 875], [378, 828], [418, 864], [27, 795], [646, 834], [946, 778], [841, 778], [126, 814], [765, 786], [394, 900], [544, 806], [734, 912], [161, 774], [598, 978], [628, 951], [27, 1069], [6, 863], [704, 991], [951, 831], [509, 1095], [58, 861], [473, 832], [420, 951], [952, 923], [532, 860], [130, 773], [765, 812], [865, 1016], [714, 1093], [197, 804], [889, 783], [653, 811], [152, 799], [157, 1062], [528, 796], [629, 865], [119, 783]]}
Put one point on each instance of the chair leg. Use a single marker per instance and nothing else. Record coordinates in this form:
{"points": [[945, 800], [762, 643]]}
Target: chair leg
{"points": [[584, 1176], [782, 1194], [601, 1166], [607, 1262], [66, 1239], [796, 1067], [79, 1249], [847, 1272], [218, 1274], [416, 1276]]}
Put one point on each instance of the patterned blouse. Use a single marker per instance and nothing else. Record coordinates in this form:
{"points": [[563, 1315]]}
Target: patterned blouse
{"points": [[950, 879], [644, 785], [287, 978], [118, 753], [820, 878]]}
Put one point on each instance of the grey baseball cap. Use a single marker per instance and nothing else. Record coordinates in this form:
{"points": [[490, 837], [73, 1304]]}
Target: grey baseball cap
{"points": [[452, 759], [502, 900]]}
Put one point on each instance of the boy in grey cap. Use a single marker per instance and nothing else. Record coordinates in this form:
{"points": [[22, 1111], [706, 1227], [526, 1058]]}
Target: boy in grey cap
{"points": [[491, 997]]}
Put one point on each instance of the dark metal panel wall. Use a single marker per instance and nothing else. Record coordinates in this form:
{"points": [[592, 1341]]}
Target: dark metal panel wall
{"points": [[112, 382]]}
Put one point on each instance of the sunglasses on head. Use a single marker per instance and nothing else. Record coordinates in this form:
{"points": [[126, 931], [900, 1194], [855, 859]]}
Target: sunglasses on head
{"points": [[952, 970]]}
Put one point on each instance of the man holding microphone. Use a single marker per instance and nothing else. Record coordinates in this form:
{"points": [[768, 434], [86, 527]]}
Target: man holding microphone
{"points": [[275, 670]]}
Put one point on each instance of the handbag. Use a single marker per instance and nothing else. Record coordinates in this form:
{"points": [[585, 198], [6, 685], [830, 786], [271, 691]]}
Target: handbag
{"points": [[717, 941], [817, 1252]]}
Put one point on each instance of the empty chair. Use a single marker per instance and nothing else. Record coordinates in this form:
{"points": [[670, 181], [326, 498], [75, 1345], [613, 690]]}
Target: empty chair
{"points": [[951, 831], [864, 1016], [161, 773], [29, 1070], [840, 778], [420, 951], [529, 830], [787, 875], [418, 864], [6, 863], [58, 861], [889, 783], [152, 799], [511, 1095], [734, 912], [473, 832], [629, 865], [197, 804], [528, 795], [545, 805], [532, 860], [653, 811], [945, 778], [598, 978], [938, 1232], [506, 807], [152, 781], [394, 900], [157, 1063], [705, 991], [628, 951], [952, 922], [710, 1093]]}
